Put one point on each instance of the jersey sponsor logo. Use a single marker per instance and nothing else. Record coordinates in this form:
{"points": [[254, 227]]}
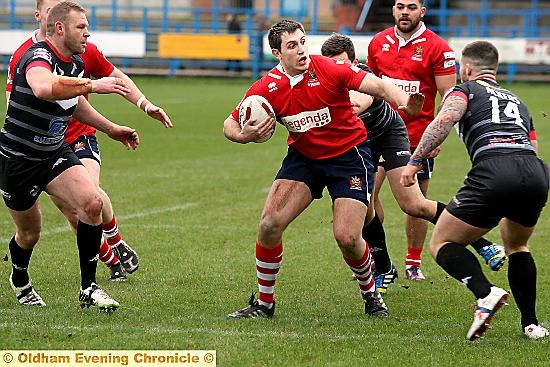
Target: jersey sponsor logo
{"points": [[449, 63], [449, 55], [42, 53], [408, 86], [304, 121], [355, 183], [47, 140]]}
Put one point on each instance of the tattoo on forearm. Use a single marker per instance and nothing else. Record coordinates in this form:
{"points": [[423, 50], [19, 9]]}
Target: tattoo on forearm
{"points": [[436, 132]]}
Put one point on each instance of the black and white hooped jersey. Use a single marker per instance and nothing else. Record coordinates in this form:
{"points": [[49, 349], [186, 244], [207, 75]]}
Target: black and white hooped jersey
{"points": [[495, 121], [35, 128], [379, 116]]}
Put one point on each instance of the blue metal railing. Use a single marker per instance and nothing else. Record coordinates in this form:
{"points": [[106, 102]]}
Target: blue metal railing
{"points": [[532, 22]]}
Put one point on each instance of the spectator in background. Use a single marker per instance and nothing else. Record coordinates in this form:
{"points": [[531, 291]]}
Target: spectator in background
{"points": [[233, 27]]}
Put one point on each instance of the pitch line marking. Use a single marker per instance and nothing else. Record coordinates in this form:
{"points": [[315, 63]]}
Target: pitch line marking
{"points": [[66, 228]]}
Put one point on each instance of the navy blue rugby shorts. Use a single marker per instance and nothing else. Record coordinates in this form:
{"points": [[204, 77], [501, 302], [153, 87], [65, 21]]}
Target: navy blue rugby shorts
{"points": [[349, 175]]}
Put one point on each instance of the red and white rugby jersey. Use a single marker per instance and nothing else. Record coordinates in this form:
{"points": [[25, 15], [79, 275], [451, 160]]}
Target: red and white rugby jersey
{"points": [[315, 106], [95, 64], [412, 65], [14, 59]]}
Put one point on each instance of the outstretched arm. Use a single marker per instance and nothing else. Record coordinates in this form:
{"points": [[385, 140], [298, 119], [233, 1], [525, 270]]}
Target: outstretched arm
{"points": [[85, 113], [410, 104], [46, 85], [437, 131], [135, 96]]}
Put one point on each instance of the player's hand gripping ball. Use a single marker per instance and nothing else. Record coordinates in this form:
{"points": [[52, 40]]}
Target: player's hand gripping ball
{"points": [[255, 107]]}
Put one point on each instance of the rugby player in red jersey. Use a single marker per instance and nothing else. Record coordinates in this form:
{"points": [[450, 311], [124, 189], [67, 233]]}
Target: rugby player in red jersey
{"points": [[418, 60], [82, 139], [327, 147]]}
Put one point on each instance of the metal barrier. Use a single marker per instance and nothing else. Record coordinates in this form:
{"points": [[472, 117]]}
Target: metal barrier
{"points": [[161, 18]]}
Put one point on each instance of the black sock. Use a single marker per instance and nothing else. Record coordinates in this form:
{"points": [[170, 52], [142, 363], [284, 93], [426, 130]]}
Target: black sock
{"points": [[88, 239], [522, 277], [375, 236], [20, 259], [438, 211], [482, 242], [462, 265]]}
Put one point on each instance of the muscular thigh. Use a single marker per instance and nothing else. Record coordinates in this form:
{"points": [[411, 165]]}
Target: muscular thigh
{"points": [[73, 186], [22, 181], [286, 200]]}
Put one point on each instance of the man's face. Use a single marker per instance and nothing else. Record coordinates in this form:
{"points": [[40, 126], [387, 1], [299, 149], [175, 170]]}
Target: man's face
{"points": [[294, 55], [407, 15], [76, 32], [41, 14]]}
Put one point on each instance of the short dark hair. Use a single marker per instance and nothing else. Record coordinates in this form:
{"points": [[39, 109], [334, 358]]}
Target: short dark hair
{"points": [[336, 44], [60, 13], [275, 32], [483, 54], [420, 1]]}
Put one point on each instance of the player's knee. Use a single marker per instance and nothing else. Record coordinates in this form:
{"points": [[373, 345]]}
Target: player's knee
{"points": [[346, 240], [416, 208], [27, 238], [270, 226], [90, 212]]}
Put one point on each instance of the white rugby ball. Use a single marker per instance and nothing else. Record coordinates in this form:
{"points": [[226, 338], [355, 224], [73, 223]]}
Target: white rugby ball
{"points": [[256, 107]]}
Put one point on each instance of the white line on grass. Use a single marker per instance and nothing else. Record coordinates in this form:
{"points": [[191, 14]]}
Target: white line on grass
{"points": [[65, 228], [232, 333]]}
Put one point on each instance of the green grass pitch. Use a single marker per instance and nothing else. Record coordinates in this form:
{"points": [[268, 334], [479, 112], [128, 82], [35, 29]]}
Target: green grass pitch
{"points": [[188, 201]]}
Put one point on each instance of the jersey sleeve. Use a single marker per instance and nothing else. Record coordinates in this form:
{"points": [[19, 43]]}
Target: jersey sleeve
{"points": [[95, 63], [37, 57], [444, 59]]}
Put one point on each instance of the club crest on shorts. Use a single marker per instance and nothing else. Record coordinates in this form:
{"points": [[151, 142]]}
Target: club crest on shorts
{"points": [[355, 183]]}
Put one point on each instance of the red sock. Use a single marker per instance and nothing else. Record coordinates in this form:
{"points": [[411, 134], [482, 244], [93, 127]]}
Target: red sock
{"points": [[268, 262], [110, 230], [107, 255], [363, 271], [414, 256]]}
